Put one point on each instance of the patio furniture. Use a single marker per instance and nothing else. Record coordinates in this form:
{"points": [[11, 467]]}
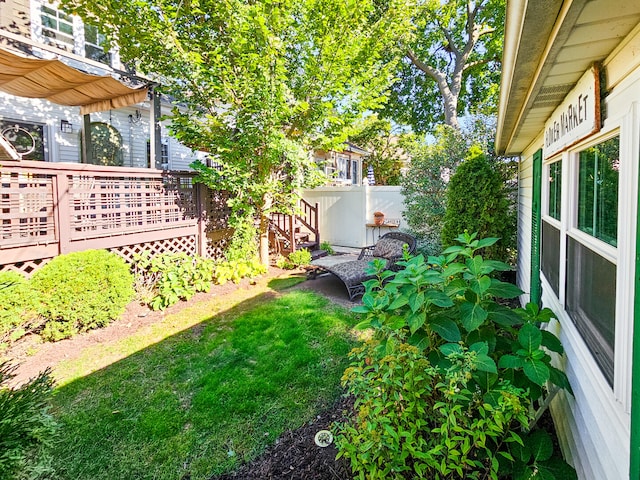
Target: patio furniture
{"points": [[352, 272]]}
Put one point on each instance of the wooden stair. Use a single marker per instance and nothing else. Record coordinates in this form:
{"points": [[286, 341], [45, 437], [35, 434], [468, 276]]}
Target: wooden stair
{"points": [[289, 233]]}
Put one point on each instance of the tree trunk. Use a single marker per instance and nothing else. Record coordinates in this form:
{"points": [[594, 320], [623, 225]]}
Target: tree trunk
{"points": [[263, 230]]}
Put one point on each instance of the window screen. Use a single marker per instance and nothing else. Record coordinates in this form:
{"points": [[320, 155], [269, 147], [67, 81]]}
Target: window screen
{"points": [[591, 302], [551, 255], [598, 190], [555, 189]]}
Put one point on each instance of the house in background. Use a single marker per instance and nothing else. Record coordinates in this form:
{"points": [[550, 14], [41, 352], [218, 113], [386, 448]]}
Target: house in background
{"points": [[570, 109], [344, 167], [121, 133]]}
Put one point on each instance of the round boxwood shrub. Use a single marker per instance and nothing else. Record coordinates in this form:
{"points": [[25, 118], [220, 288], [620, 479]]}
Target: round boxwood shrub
{"points": [[17, 306], [82, 290]]}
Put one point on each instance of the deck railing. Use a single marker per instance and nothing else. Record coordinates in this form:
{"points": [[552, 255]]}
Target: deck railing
{"points": [[52, 208]]}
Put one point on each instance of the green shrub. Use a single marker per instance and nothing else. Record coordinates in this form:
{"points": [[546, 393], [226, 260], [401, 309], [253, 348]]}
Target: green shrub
{"points": [[326, 246], [478, 201], [170, 277], [447, 386], [18, 306], [26, 428], [80, 291], [296, 259], [236, 270]]}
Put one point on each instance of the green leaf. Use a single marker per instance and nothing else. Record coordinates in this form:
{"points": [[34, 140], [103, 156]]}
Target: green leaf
{"points": [[503, 289], [446, 328], [451, 349], [399, 302], [484, 363], [361, 309], [416, 320], [420, 340], [475, 265], [530, 337], [550, 341], [472, 315], [453, 269], [559, 378], [481, 284], [364, 325], [438, 298], [416, 301], [502, 315], [395, 322], [486, 242], [536, 371], [479, 347], [510, 361], [541, 445]]}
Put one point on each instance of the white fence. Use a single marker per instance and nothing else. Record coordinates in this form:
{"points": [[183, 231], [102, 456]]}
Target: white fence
{"points": [[345, 212]]}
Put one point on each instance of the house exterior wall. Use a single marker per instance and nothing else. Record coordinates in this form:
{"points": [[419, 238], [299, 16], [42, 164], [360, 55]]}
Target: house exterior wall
{"points": [[593, 425], [23, 17]]}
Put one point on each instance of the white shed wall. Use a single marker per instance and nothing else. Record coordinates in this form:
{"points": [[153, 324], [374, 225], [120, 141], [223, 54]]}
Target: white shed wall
{"points": [[345, 211]]}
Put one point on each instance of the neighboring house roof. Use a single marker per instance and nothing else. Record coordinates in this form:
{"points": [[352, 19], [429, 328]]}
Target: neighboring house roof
{"points": [[351, 147], [548, 47]]}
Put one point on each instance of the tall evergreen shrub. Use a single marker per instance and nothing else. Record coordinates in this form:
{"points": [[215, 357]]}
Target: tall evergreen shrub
{"points": [[478, 201]]}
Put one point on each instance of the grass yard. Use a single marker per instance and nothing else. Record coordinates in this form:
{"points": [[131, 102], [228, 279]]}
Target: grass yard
{"points": [[200, 401]]}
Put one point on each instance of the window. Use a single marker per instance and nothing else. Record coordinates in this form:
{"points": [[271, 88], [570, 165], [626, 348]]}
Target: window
{"points": [[94, 43], [57, 28], [106, 145], [591, 302], [555, 190], [354, 172], [61, 31], [28, 139], [342, 164], [550, 258], [598, 190], [163, 164]]}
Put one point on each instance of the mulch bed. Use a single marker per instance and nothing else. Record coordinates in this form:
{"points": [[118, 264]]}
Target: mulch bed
{"points": [[295, 456]]}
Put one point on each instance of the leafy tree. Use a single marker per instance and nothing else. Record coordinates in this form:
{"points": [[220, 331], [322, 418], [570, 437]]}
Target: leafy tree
{"points": [[259, 83], [452, 61], [387, 155], [477, 200], [425, 185]]}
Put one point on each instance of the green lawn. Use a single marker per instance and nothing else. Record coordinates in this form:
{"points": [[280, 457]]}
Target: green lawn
{"points": [[204, 399]]}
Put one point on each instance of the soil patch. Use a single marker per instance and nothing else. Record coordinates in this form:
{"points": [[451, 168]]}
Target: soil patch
{"points": [[295, 455]]}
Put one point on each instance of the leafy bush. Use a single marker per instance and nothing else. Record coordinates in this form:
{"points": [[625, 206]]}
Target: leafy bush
{"points": [[478, 200], [26, 428], [424, 186], [170, 277], [236, 270], [18, 306], [326, 246], [295, 259], [82, 290], [447, 386]]}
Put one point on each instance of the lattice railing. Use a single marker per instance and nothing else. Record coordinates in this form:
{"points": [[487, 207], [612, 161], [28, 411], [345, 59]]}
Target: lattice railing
{"points": [[48, 208], [102, 205], [26, 203]]}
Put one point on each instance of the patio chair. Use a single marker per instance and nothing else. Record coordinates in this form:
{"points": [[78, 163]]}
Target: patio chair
{"points": [[352, 273]]}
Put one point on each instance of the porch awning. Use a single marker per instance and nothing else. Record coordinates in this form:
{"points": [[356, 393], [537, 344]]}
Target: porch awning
{"points": [[64, 85]]}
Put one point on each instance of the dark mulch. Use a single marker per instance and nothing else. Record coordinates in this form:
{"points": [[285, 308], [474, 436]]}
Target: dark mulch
{"points": [[295, 456]]}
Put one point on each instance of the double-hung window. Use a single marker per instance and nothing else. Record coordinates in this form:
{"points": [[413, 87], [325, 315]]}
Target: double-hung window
{"points": [[550, 259], [68, 33], [591, 268]]}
